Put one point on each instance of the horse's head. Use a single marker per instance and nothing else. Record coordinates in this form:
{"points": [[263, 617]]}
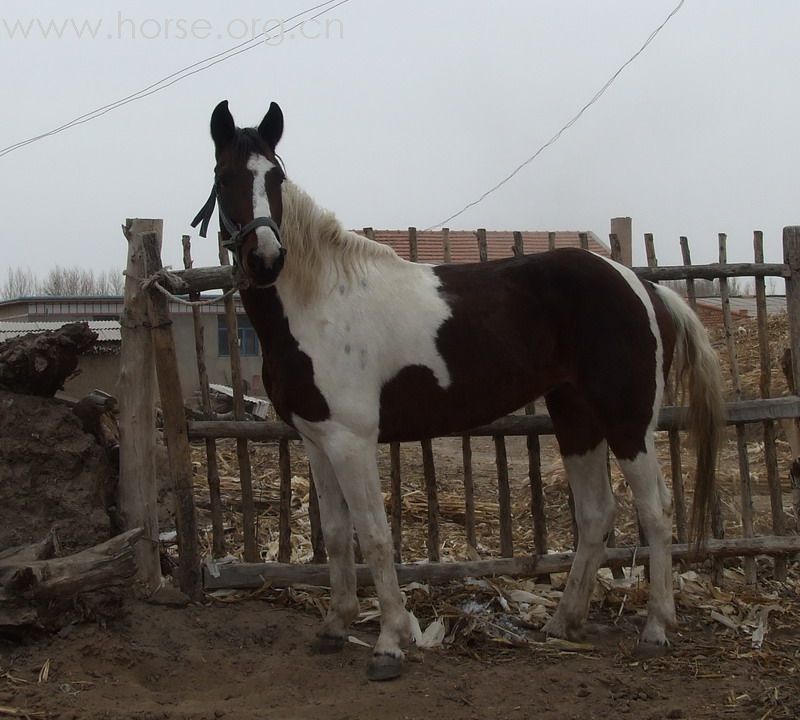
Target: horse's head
{"points": [[247, 183]]}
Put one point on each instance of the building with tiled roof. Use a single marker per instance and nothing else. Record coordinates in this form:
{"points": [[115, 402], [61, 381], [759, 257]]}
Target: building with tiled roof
{"points": [[463, 244]]}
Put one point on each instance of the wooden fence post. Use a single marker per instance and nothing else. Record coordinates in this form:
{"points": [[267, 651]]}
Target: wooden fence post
{"points": [[242, 453], [622, 227], [791, 256], [745, 484], [765, 387], [137, 493], [175, 432], [212, 474], [483, 247], [446, 245]]}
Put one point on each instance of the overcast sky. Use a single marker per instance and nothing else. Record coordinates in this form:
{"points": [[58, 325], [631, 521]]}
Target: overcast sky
{"points": [[400, 113]]}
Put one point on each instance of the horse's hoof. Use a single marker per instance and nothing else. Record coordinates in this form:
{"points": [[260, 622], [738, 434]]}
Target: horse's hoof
{"points": [[646, 649], [384, 667], [327, 644]]}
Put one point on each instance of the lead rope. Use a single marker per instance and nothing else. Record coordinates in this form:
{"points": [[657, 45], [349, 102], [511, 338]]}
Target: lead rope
{"points": [[163, 275]]}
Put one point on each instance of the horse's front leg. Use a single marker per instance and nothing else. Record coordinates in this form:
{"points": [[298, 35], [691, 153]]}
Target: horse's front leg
{"points": [[337, 528], [354, 460]]}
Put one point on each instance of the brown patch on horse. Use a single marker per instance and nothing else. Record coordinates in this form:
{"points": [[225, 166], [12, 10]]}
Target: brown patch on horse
{"points": [[287, 371], [522, 327]]}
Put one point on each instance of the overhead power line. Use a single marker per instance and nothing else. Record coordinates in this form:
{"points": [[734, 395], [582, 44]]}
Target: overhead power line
{"points": [[182, 73], [566, 127]]}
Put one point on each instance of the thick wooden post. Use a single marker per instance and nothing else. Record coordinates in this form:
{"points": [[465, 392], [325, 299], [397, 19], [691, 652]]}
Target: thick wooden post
{"points": [[504, 497], [214, 497], [137, 492], [583, 240], [469, 492], [177, 437], [622, 227], [413, 247], [242, 454]]}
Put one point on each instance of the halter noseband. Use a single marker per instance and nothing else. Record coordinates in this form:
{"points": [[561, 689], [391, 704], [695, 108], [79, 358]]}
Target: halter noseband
{"points": [[236, 233]]}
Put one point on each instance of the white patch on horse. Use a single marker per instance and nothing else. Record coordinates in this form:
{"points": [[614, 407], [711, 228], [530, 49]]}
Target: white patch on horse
{"points": [[361, 338], [268, 245], [641, 292]]}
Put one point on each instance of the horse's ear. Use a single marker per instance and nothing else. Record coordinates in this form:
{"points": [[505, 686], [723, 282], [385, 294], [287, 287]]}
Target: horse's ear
{"points": [[223, 129], [271, 127]]}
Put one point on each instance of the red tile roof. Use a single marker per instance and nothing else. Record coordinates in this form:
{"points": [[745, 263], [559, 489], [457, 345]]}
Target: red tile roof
{"points": [[464, 243]]}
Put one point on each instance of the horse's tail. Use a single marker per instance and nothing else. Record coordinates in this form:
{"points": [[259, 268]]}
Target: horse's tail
{"points": [[698, 373]]}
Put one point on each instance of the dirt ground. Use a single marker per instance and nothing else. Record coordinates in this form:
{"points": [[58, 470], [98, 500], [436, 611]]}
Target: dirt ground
{"points": [[251, 660], [240, 656]]}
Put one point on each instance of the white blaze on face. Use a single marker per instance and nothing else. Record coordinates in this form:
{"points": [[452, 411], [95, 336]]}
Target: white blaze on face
{"points": [[268, 245]]}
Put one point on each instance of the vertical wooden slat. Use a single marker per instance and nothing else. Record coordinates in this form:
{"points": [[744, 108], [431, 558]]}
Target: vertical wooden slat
{"points": [[242, 454], [686, 254], [175, 431], [519, 246], [413, 247], [616, 248], [396, 491], [446, 245], [765, 388], [650, 250], [212, 469], [583, 240], [504, 497], [551, 241], [537, 491], [320, 555], [429, 472], [483, 247], [791, 254], [428, 466], [285, 503], [469, 492], [745, 483]]}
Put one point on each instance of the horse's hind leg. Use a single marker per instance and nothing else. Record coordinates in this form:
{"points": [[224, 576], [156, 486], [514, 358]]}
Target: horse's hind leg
{"points": [[337, 528], [654, 505], [584, 452]]}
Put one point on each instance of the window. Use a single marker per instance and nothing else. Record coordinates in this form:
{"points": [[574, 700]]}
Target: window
{"points": [[248, 340]]}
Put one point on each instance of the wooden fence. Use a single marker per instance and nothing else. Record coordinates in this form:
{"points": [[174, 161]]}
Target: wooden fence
{"points": [[146, 324]]}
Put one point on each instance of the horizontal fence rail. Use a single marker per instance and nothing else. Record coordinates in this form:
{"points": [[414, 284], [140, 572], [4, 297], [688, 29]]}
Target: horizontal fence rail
{"points": [[255, 575], [670, 418], [184, 282]]}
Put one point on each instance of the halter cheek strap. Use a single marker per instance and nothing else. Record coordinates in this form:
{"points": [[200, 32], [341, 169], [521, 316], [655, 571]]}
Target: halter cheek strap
{"points": [[236, 234]]}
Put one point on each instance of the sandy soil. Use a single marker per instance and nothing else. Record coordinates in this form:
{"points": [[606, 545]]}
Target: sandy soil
{"points": [[250, 660]]}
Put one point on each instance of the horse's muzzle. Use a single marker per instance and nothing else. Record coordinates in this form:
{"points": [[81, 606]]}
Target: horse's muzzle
{"points": [[261, 274]]}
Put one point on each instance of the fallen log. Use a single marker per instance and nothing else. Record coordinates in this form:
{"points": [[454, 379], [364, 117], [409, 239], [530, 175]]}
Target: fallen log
{"points": [[41, 592], [39, 363]]}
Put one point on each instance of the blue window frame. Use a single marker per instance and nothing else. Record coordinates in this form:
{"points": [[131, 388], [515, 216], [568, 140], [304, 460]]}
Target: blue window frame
{"points": [[248, 340]]}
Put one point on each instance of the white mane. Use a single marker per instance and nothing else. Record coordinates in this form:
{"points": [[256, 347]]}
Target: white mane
{"points": [[319, 248]]}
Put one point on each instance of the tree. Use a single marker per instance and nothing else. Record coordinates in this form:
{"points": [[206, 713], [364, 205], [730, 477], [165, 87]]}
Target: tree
{"points": [[19, 283], [62, 281]]}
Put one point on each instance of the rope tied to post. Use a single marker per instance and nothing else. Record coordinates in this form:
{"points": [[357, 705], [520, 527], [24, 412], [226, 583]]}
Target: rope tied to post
{"points": [[165, 276]]}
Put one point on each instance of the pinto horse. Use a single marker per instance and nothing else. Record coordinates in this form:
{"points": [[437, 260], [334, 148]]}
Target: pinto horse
{"points": [[361, 347]]}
